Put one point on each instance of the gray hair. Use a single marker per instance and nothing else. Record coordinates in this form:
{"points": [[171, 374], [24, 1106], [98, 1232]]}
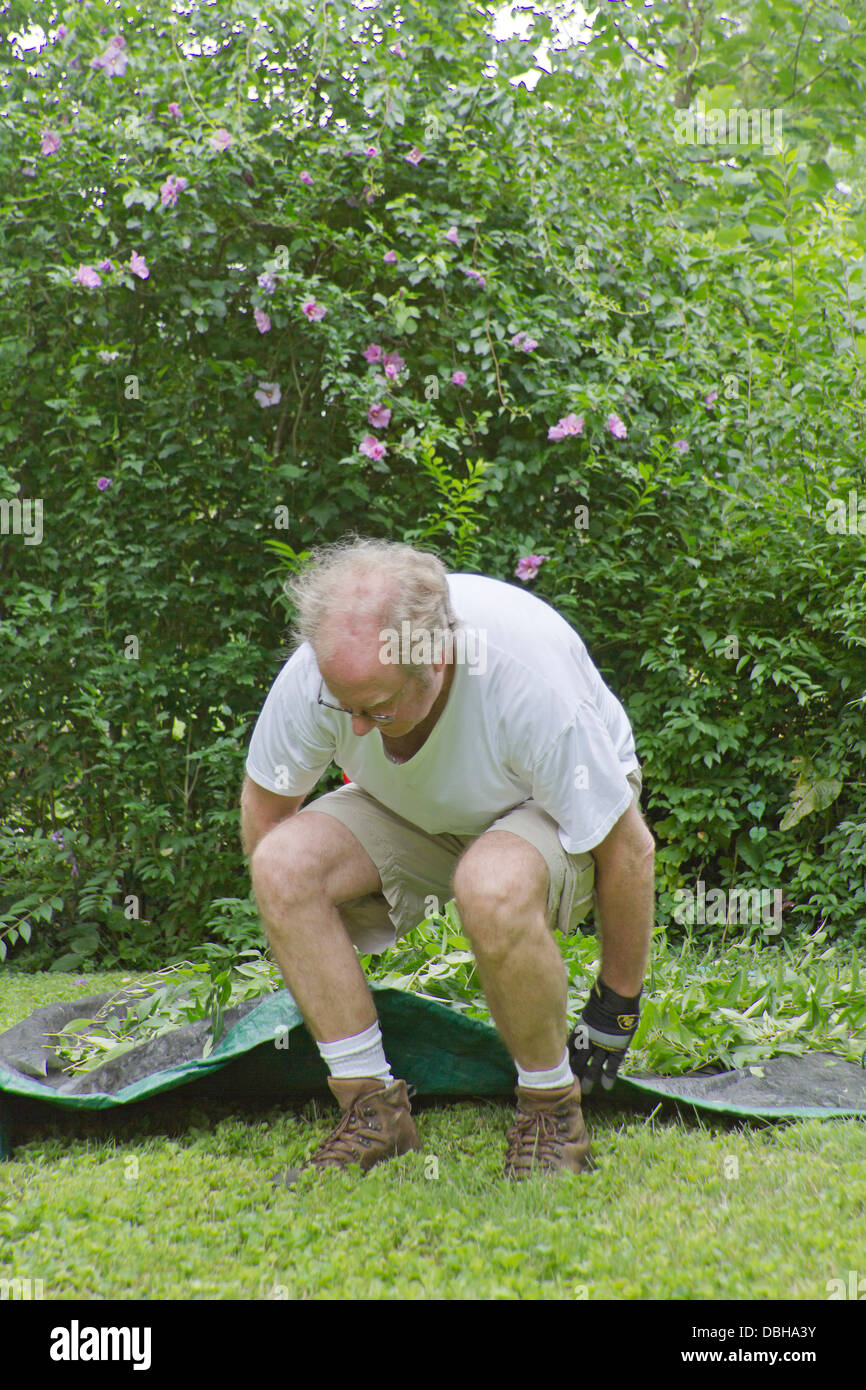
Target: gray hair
{"points": [[412, 589]]}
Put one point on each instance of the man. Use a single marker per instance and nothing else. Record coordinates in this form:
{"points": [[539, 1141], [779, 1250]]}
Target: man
{"points": [[488, 762]]}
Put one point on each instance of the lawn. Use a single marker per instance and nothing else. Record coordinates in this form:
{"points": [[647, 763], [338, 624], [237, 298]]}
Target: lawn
{"points": [[177, 1203]]}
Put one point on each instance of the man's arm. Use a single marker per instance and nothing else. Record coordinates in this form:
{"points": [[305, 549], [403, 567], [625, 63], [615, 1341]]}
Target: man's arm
{"points": [[261, 810]]}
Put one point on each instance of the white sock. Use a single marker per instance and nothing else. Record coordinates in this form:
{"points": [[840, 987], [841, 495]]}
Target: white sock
{"points": [[361, 1055], [551, 1080]]}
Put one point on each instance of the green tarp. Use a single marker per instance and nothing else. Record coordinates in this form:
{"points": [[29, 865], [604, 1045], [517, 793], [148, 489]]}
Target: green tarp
{"points": [[267, 1054]]}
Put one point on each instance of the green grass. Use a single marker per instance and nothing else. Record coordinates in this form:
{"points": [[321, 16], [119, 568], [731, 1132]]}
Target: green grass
{"points": [[177, 1204]]}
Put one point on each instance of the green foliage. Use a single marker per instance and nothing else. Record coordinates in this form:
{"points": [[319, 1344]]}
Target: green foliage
{"points": [[141, 633]]}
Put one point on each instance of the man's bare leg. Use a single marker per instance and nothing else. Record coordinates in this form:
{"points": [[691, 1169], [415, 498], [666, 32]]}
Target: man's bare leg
{"points": [[301, 870], [625, 902], [501, 886]]}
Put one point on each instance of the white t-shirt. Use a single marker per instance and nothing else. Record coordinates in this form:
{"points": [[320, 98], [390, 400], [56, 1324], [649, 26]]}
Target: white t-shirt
{"points": [[527, 715]]}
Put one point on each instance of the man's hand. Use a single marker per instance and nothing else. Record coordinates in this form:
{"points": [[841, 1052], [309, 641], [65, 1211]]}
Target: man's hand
{"points": [[599, 1042]]}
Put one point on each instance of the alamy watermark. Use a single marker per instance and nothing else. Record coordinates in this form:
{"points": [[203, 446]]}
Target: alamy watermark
{"points": [[736, 126], [428, 646], [746, 906], [23, 517]]}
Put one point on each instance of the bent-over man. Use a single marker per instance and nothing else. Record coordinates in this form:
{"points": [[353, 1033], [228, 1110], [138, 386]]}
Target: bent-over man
{"points": [[489, 762]]}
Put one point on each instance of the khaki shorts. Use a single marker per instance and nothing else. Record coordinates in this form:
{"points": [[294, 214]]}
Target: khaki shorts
{"points": [[415, 866]]}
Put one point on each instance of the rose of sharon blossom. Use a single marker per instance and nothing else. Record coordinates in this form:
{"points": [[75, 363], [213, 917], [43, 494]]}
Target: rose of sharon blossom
{"points": [[306, 177], [267, 282], [616, 427], [269, 393], [569, 424], [528, 567], [86, 275], [106, 356], [682, 446], [458, 378], [523, 341], [477, 277], [373, 352], [393, 359], [113, 61], [170, 189], [371, 151], [103, 483], [263, 322], [313, 311], [414, 156], [106, 266], [173, 109], [50, 142], [389, 257], [138, 266], [372, 447], [710, 398], [220, 140], [379, 416], [62, 31], [452, 235]]}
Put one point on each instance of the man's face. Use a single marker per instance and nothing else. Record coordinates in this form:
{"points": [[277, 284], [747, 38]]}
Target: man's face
{"points": [[360, 681]]}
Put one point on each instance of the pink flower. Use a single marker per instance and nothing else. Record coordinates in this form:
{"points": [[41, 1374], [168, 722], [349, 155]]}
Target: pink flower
{"points": [[477, 277], [86, 275], [50, 142], [313, 311], [373, 353], [527, 568], [523, 341], [306, 177], [414, 156], [682, 446], [379, 416], [569, 424], [371, 151], [389, 257], [268, 393], [106, 266], [106, 356], [372, 447], [170, 189], [103, 483], [173, 109], [220, 140], [458, 378], [138, 266], [451, 235], [263, 323], [616, 427], [267, 282], [399, 50], [393, 359], [62, 31], [113, 61], [711, 398]]}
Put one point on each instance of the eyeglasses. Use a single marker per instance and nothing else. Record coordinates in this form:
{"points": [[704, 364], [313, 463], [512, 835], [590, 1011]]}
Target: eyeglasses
{"points": [[377, 718]]}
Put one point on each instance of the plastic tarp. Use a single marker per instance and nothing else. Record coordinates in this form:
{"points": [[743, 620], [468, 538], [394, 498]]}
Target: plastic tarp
{"points": [[266, 1053]]}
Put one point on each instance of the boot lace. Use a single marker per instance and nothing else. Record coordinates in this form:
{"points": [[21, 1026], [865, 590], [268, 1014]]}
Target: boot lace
{"points": [[539, 1135], [342, 1144]]}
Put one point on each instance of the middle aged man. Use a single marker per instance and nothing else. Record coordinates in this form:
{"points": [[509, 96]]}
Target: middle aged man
{"points": [[501, 771]]}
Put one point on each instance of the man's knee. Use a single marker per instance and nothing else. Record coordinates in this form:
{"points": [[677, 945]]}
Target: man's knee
{"points": [[500, 886], [287, 865]]}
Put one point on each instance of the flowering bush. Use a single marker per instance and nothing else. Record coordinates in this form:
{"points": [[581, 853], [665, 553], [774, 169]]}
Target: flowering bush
{"points": [[193, 364]]}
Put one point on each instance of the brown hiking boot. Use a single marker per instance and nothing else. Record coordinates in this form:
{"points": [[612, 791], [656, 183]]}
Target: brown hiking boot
{"points": [[376, 1124], [548, 1134]]}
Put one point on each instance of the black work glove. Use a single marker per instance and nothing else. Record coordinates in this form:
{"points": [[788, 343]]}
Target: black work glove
{"points": [[599, 1041]]}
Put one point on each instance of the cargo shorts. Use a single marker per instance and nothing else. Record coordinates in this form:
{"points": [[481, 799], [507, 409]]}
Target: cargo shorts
{"points": [[415, 866]]}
